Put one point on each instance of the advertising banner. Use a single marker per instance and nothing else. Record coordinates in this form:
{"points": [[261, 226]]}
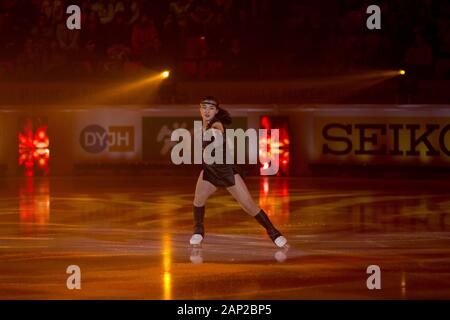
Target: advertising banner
{"points": [[378, 140], [107, 135], [157, 131]]}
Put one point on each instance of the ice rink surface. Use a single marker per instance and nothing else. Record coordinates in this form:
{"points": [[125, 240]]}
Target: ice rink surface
{"points": [[130, 238]]}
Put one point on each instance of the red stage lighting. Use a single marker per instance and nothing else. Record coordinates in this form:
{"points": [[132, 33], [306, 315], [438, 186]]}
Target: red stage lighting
{"points": [[34, 147], [282, 124]]}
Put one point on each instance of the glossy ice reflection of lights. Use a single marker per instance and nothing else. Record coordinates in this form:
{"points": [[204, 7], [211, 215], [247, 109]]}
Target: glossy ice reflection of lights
{"points": [[130, 237]]}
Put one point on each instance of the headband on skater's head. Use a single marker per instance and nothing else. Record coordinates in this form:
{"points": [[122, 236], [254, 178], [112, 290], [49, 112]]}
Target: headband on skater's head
{"points": [[210, 101], [222, 115]]}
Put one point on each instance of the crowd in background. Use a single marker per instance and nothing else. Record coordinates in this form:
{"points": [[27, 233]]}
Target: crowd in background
{"points": [[221, 39]]}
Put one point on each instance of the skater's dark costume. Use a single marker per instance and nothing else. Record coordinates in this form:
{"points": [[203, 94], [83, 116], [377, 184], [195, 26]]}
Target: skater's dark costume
{"points": [[220, 175], [224, 175]]}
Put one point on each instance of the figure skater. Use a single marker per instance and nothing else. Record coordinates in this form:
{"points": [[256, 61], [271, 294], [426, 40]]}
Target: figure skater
{"points": [[224, 175]]}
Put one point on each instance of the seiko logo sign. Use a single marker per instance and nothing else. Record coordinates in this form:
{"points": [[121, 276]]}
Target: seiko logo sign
{"points": [[95, 138], [404, 139]]}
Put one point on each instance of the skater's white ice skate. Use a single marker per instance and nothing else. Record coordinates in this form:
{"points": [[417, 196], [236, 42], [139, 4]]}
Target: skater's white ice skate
{"points": [[196, 239], [281, 242]]}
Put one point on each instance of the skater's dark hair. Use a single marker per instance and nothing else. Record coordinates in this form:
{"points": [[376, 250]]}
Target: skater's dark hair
{"points": [[223, 115]]}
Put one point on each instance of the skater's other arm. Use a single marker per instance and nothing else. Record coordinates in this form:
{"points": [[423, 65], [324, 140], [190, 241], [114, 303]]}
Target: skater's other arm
{"points": [[218, 125]]}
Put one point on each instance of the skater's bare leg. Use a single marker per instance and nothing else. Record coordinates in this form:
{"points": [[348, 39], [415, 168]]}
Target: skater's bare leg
{"points": [[240, 192], [203, 190]]}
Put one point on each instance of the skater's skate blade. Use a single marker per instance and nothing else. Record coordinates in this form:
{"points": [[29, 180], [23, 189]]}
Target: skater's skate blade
{"points": [[280, 242], [196, 240]]}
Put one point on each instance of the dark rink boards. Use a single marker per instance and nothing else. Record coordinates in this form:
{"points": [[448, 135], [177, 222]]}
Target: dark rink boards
{"points": [[399, 136]]}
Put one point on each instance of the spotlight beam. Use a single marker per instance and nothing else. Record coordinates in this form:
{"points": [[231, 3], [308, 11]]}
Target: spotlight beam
{"points": [[149, 83]]}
